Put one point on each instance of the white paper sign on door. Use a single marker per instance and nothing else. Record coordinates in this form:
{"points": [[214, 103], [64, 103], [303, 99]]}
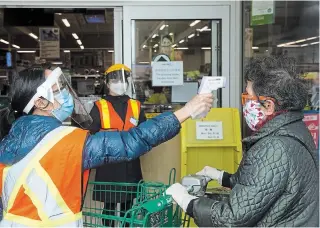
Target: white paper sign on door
{"points": [[206, 130], [167, 73]]}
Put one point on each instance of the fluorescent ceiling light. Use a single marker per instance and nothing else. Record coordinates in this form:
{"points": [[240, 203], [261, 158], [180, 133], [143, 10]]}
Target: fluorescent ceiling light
{"points": [[206, 48], [191, 35], [155, 50], [4, 41], [162, 27], [154, 36], [26, 51], [79, 42], [174, 45], [255, 48], [297, 41], [314, 43], [156, 45], [204, 28], [15, 46], [82, 47], [111, 51], [144, 62], [75, 36], [59, 14], [144, 46], [33, 36], [66, 51], [312, 38], [57, 63], [66, 22], [182, 48], [304, 45], [300, 41], [181, 41], [194, 23], [171, 33]]}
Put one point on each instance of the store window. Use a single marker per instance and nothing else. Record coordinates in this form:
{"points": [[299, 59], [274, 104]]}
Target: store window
{"points": [[193, 42], [80, 41], [285, 28]]}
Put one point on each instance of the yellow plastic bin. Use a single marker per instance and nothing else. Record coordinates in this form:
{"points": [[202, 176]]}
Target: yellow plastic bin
{"points": [[213, 141]]}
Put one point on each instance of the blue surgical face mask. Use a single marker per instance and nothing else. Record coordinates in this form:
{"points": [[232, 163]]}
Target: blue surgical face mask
{"points": [[65, 110]]}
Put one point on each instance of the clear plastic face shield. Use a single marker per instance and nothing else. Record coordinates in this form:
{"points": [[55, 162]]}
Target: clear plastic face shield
{"points": [[60, 99], [120, 82]]}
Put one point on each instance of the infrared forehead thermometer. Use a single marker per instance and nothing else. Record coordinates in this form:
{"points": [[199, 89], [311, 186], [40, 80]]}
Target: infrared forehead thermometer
{"points": [[210, 83]]}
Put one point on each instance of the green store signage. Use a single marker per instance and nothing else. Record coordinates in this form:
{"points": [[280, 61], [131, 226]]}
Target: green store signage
{"points": [[262, 12]]}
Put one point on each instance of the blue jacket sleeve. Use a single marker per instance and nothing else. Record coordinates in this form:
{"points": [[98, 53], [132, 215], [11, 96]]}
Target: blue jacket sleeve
{"points": [[111, 147]]}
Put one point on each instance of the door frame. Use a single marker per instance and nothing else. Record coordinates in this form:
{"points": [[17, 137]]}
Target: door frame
{"points": [[222, 12]]}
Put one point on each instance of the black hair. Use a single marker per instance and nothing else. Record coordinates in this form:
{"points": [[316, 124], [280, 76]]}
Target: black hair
{"points": [[4, 122], [276, 77], [24, 87]]}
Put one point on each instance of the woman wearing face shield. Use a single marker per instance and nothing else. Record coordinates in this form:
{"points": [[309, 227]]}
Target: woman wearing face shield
{"points": [[277, 182], [117, 112], [44, 165]]}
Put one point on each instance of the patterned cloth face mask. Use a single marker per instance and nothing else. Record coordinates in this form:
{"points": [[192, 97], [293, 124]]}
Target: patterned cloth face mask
{"points": [[252, 111]]}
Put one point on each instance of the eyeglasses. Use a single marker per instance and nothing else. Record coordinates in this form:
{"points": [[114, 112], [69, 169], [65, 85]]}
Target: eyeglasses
{"points": [[245, 97]]}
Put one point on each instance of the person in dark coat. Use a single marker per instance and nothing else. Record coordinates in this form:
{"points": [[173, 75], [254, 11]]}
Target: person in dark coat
{"points": [[277, 182], [120, 117]]}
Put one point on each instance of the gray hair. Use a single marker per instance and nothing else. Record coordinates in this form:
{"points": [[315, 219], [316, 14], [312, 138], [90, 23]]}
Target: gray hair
{"points": [[276, 77]]}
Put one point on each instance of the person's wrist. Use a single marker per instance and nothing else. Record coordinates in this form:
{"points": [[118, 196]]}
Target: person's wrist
{"points": [[182, 114]]}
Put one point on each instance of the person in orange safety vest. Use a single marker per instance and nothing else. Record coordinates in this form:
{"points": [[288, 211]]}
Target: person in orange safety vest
{"points": [[44, 164], [117, 112]]}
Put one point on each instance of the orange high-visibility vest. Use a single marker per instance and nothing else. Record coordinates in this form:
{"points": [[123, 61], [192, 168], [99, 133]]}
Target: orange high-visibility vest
{"points": [[46, 187], [111, 120]]}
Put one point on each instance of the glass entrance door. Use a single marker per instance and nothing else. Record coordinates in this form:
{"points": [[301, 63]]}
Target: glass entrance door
{"points": [[196, 36]]}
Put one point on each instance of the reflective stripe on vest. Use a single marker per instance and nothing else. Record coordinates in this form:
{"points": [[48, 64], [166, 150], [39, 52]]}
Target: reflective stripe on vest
{"points": [[31, 194], [110, 118]]}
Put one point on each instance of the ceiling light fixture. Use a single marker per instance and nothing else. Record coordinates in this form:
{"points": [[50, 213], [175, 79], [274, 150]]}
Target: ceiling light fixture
{"points": [[171, 33], [111, 51], [154, 36], [156, 45], [314, 43], [144, 46], [26, 51], [15, 46], [82, 47], [66, 22], [182, 48], [181, 41], [57, 63], [162, 27], [75, 36], [298, 41], [4, 41], [191, 35], [144, 62], [204, 28], [194, 23], [66, 51], [79, 42], [33, 36], [174, 45], [255, 48], [206, 48]]}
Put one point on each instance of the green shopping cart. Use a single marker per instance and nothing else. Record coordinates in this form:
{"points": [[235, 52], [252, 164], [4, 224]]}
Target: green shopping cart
{"points": [[150, 207]]}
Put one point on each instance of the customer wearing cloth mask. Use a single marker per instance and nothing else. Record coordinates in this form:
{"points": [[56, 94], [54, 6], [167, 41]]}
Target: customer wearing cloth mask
{"points": [[117, 112], [44, 166], [277, 182]]}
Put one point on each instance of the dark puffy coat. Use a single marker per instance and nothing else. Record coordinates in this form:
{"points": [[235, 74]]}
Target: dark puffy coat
{"points": [[277, 183]]}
